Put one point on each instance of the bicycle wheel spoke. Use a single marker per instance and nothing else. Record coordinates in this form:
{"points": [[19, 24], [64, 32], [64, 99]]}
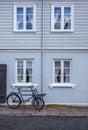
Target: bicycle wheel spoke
{"points": [[13, 101], [38, 103]]}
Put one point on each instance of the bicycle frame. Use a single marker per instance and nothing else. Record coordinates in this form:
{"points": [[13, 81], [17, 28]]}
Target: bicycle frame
{"points": [[30, 96], [14, 99]]}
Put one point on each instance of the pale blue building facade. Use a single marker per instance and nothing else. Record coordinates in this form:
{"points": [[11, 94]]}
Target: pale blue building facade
{"points": [[46, 43]]}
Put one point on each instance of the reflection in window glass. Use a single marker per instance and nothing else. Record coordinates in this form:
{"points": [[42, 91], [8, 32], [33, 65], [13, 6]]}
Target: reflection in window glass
{"points": [[62, 18], [67, 17], [19, 10], [20, 18], [25, 17], [57, 18], [28, 71], [29, 18], [24, 71], [66, 71], [62, 71], [57, 71], [20, 71]]}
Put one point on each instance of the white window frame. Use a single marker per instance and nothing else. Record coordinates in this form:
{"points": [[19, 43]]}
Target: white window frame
{"points": [[24, 70], [62, 84], [62, 18], [25, 5], [62, 69]]}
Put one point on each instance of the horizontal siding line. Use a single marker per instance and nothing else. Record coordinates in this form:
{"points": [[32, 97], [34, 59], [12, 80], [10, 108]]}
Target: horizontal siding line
{"points": [[32, 43], [21, 38], [74, 43], [66, 37], [64, 40], [20, 41], [69, 2], [19, 34], [49, 37], [62, 35]]}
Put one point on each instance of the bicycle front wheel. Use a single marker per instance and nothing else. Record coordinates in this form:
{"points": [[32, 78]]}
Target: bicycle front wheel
{"points": [[13, 101], [38, 103]]}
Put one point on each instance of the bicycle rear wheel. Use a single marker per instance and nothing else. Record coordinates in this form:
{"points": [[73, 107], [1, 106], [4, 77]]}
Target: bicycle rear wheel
{"points": [[38, 103], [13, 101]]}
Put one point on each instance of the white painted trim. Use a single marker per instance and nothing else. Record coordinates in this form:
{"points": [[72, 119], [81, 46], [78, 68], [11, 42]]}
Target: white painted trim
{"points": [[24, 70], [25, 5], [62, 18], [62, 69], [62, 85]]}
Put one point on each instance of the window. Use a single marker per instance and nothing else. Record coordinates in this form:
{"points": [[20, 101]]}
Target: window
{"points": [[62, 18], [24, 17], [62, 71], [24, 70]]}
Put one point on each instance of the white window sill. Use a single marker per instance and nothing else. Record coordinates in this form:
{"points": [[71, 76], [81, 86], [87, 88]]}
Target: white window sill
{"points": [[62, 85], [62, 30], [24, 85], [25, 30]]}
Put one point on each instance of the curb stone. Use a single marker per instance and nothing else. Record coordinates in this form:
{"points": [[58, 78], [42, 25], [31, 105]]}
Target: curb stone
{"points": [[47, 111]]}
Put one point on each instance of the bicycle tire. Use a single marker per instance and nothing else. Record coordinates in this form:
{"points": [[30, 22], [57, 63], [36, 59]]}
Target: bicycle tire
{"points": [[13, 101], [38, 103]]}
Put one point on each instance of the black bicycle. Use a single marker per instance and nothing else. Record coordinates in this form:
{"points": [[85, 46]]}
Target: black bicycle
{"points": [[25, 94]]}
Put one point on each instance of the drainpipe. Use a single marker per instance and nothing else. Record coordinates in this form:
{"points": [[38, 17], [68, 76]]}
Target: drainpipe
{"points": [[42, 50]]}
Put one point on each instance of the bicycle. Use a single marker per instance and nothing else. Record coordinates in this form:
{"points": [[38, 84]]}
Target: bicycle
{"points": [[15, 99]]}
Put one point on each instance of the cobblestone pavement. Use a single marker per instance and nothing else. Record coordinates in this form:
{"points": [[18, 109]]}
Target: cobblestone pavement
{"points": [[47, 111]]}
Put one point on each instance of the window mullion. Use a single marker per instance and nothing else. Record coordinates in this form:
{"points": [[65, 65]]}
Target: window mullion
{"points": [[62, 17], [62, 71], [34, 17], [54, 72], [24, 18], [72, 17], [16, 75], [24, 71], [70, 71]]}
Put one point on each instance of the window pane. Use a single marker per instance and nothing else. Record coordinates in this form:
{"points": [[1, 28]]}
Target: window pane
{"points": [[57, 71], [57, 63], [29, 71], [57, 18], [20, 79], [20, 71], [67, 18], [29, 21], [66, 71], [66, 79], [59, 75], [19, 18], [20, 10], [29, 10], [30, 80], [29, 18], [57, 79], [29, 64], [66, 63], [20, 64], [19, 21]]}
